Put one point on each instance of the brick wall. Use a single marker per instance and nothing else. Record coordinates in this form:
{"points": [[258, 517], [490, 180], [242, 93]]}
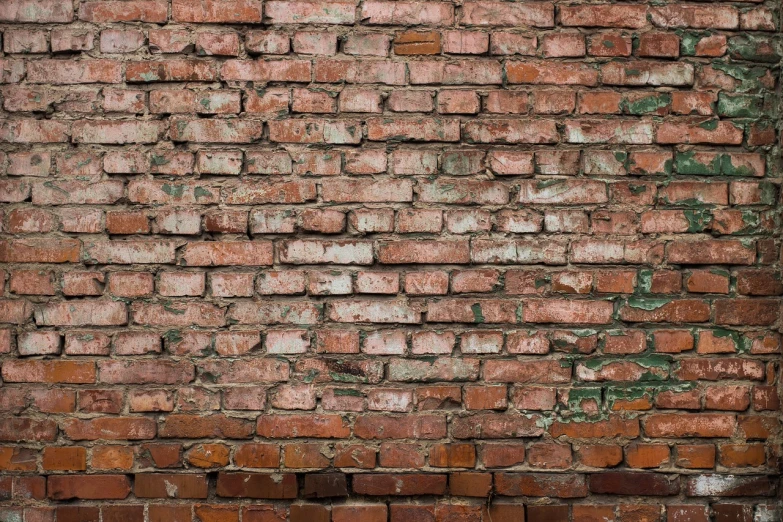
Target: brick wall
{"points": [[404, 261]]}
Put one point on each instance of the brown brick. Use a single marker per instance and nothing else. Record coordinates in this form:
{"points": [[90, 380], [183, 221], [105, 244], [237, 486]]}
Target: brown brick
{"points": [[417, 43], [88, 487], [256, 485], [166, 485]]}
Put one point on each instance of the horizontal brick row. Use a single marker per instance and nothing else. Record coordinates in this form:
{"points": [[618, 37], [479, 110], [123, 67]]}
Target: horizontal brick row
{"points": [[503, 131], [196, 283], [651, 368], [277, 102], [96, 312], [274, 12], [399, 343], [363, 71], [391, 455], [357, 397], [366, 252], [506, 164], [469, 484], [374, 426], [195, 221], [499, 511], [485, 72], [227, 43], [657, 207]]}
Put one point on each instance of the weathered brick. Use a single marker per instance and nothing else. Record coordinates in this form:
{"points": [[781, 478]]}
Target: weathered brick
{"points": [[160, 485], [540, 485], [403, 484], [308, 13], [502, 14], [381, 12], [277, 70], [412, 43], [89, 487], [274, 161], [110, 428], [154, 11]]}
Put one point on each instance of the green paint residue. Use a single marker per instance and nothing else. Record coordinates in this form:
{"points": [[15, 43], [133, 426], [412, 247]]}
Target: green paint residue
{"points": [[478, 316], [175, 191], [649, 104], [709, 125], [698, 220], [347, 392], [687, 164], [578, 396], [201, 192], [647, 303], [173, 336], [645, 281], [739, 105]]}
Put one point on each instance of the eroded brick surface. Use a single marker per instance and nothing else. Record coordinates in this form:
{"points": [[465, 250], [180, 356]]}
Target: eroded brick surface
{"points": [[389, 260]]}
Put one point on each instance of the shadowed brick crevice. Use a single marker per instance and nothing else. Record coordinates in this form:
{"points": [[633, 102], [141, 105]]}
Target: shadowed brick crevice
{"points": [[480, 495]]}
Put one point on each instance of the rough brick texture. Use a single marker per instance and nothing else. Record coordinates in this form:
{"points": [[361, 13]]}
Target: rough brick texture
{"points": [[390, 261]]}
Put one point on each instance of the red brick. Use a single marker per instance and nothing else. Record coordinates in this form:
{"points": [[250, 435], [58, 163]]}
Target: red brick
{"points": [[563, 45], [647, 455], [164, 485], [512, 43], [499, 13], [49, 371], [278, 70], [485, 397], [540, 485], [209, 456], [410, 101], [110, 428], [63, 72], [399, 427], [78, 513], [215, 425], [470, 484], [65, 458], [256, 485], [551, 73], [88, 487], [549, 456], [313, 426], [257, 456], [112, 458], [368, 512], [238, 205], [381, 13], [115, 11], [423, 252], [381, 484], [412, 43], [696, 456]]}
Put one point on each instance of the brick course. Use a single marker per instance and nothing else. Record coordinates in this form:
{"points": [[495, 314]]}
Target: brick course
{"points": [[389, 260]]}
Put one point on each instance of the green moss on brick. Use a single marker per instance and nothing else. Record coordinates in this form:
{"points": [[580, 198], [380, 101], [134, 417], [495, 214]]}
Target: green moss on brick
{"points": [[739, 105]]}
